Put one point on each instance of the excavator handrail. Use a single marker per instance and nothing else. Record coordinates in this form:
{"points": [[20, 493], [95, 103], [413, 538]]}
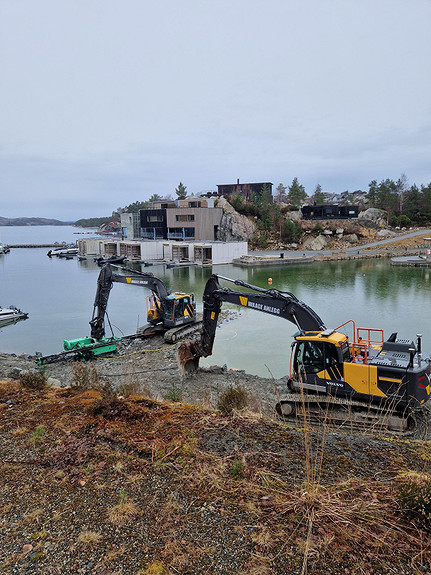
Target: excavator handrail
{"points": [[368, 339], [357, 338]]}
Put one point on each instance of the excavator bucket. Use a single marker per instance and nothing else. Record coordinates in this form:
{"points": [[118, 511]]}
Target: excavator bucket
{"points": [[187, 357]]}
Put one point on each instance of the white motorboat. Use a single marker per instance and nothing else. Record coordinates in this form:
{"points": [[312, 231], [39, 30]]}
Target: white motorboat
{"points": [[11, 313], [63, 251]]}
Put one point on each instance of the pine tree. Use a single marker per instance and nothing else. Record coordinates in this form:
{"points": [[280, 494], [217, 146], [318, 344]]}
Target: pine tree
{"points": [[318, 196], [181, 191], [297, 194]]}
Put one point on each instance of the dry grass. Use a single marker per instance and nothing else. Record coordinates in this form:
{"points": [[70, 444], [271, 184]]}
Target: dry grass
{"points": [[89, 538], [124, 512], [205, 493]]}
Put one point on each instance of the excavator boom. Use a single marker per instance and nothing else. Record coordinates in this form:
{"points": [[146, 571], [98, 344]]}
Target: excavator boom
{"points": [[273, 302], [105, 282]]}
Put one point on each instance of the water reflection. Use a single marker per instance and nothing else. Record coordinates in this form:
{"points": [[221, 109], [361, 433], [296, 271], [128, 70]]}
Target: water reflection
{"points": [[59, 295]]}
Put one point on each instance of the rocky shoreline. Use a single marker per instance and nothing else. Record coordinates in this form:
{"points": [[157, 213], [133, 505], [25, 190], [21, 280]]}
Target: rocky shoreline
{"points": [[150, 367]]}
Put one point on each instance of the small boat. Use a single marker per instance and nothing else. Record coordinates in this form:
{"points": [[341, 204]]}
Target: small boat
{"points": [[111, 260], [11, 314], [4, 249], [63, 251]]}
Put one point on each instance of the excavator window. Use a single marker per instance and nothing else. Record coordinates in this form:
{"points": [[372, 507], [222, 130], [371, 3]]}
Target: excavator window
{"points": [[309, 356], [314, 356], [169, 306], [179, 307]]}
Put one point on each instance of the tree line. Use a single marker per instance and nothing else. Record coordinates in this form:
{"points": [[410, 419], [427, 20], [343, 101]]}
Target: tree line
{"points": [[403, 204]]}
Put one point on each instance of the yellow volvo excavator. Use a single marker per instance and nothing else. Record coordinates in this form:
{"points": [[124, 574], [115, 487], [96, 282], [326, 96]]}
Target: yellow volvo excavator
{"points": [[364, 380], [170, 313]]}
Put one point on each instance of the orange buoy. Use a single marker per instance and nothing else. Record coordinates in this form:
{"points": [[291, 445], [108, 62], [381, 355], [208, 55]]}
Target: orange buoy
{"points": [[270, 280]]}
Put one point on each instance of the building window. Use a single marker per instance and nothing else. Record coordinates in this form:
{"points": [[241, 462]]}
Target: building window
{"points": [[181, 233], [185, 218], [155, 218], [194, 204], [152, 234]]}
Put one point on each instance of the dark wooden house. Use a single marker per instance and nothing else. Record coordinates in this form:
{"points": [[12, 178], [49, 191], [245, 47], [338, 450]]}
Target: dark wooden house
{"points": [[329, 211], [246, 190]]}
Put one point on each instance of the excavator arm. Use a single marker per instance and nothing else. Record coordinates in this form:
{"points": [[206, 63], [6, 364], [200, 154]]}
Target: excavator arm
{"points": [[104, 285], [273, 302]]}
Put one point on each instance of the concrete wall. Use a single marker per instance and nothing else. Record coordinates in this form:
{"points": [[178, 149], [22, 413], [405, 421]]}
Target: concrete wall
{"points": [[226, 252]]}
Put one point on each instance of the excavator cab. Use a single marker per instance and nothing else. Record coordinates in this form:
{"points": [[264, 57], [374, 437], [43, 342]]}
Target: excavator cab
{"points": [[175, 309], [318, 359], [314, 356]]}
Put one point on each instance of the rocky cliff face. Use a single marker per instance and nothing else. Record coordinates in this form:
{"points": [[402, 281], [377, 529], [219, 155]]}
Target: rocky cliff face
{"points": [[234, 226], [375, 215], [332, 234]]}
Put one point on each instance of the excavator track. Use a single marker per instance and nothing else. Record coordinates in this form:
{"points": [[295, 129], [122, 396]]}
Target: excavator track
{"points": [[354, 416], [177, 333]]}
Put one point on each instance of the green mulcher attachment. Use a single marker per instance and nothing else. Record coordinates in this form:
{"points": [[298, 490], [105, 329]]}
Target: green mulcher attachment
{"points": [[83, 349], [84, 344]]}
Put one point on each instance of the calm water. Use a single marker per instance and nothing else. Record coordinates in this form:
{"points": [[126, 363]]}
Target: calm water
{"points": [[58, 294]]}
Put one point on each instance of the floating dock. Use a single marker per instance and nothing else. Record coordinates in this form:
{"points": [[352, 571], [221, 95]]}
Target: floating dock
{"points": [[412, 261], [422, 260], [54, 245], [257, 261]]}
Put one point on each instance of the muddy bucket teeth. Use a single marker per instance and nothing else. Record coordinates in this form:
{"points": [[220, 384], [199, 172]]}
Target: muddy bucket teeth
{"points": [[187, 357]]}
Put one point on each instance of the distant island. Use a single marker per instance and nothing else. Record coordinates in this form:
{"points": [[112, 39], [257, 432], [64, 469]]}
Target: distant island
{"points": [[32, 222]]}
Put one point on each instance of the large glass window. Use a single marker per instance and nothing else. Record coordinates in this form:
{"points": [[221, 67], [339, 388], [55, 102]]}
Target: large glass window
{"points": [[314, 356]]}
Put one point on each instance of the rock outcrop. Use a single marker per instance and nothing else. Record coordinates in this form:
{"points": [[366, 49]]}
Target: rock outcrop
{"points": [[375, 215], [234, 226], [315, 244]]}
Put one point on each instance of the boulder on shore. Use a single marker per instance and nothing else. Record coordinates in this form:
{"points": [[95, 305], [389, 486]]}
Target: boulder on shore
{"points": [[315, 244]]}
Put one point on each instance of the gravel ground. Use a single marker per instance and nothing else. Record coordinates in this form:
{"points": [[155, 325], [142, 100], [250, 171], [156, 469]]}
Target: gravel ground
{"points": [[158, 489], [150, 366], [141, 487]]}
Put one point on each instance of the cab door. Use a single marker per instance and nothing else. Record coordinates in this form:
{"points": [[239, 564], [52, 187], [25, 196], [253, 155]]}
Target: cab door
{"points": [[315, 363]]}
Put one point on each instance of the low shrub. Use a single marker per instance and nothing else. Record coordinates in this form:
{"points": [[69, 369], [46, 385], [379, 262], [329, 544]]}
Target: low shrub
{"points": [[232, 398], [33, 379], [37, 435], [414, 497], [236, 470], [85, 377], [128, 389], [174, 395], [109, 406]]}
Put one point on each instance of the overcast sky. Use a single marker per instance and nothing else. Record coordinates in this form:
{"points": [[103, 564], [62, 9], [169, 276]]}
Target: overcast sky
{"points": [[105, 102]]}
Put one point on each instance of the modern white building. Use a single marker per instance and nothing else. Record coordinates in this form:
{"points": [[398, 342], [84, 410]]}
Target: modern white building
{"points": [[180, 252]]}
